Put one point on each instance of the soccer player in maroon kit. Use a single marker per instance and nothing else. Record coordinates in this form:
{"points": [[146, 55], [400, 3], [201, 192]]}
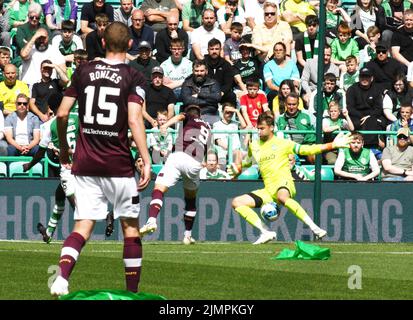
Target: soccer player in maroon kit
{"points": [[110, 96], [185, 162]]}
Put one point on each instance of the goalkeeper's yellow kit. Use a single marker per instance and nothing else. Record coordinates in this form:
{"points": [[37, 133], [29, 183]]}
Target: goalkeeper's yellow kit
{"points": [[272, 159]]}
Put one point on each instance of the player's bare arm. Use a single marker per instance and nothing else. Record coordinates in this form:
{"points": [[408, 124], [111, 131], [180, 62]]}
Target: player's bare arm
{"points": [[62, 119], [135, 121]]}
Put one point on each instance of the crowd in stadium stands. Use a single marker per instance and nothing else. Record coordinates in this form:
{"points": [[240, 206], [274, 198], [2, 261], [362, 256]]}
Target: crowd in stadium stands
{"points": [[235, 59]]}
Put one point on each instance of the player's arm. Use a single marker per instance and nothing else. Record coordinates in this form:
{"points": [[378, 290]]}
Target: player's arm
{"points": [[341, 141], [62, 120], [135, 122]]}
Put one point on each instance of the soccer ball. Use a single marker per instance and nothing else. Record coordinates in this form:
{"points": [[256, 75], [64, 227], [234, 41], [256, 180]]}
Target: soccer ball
{"points": [[270, 211]]}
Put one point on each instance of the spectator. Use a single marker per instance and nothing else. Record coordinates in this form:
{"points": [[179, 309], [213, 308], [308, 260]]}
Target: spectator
{"points": [[192, 14], [254, 12], [34, 52], [160, 143], [22, 129], [26, 31], [384, 68], [399, 93], [124, 12], [228, 14], [351, 76], [273, 30], [343, 46], [401, 41], [4, 26], [334, 15], [200, 90], [365, 106], [10, 88], [331, 92], [3, 143], [228, 123], [4, 60], [278, 104], [362, 18], [295, 13], [306, 44], [220, 70], [89, 13], [278, 69], [166, 35], [200, 36], [43, 89], [368, 53], [18, 13], [94, 46], [397, 160], [139, 32], [404, 120], [176, 68], [157, 12], [144, 62], [211, 170], [157, 97], [57, 11], [310, 73], [356, 163], [253, 104], [231, 45], [337, 120], [67, 42]]}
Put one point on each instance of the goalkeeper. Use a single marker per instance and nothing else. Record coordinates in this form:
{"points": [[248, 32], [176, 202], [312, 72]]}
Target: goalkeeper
{"points": [[271, 155]]}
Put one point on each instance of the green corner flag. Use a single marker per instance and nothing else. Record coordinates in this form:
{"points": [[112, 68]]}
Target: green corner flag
{"points": [[110, 295], [304, 251]]}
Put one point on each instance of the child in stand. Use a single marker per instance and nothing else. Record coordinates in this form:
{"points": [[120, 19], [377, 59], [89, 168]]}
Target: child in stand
{"points": [[231, 45], [369, 51], [160, 143], [343, 46], [352, 75], [335, 122]]}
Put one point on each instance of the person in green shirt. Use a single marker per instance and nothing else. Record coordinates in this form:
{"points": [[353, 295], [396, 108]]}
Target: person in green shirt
{"points": [[357, 163], [343, 46]]}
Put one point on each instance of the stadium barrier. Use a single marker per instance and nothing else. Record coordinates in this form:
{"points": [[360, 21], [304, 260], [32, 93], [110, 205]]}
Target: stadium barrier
{"points": [[350, 211]]}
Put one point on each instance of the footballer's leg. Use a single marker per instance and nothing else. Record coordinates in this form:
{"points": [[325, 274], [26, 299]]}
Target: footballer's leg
{"points": [[132, 253], [155, 207], [58, 209], [243, 206], [72, 247], [284, 197], [189, 215]]}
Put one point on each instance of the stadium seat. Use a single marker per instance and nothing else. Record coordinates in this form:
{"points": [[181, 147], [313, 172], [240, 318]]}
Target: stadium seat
{"points": [[3, 170], [327, 172], [249, 174], [16, 170]]}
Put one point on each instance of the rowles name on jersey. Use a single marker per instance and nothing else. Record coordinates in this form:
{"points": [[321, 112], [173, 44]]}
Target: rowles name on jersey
{"points": [[105, 72]]}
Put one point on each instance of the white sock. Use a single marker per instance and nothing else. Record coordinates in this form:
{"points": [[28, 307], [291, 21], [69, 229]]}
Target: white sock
{"points": [[188, 233], [309, 222]]}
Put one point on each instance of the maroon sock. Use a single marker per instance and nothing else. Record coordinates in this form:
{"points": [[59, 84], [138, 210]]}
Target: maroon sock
{"points": [[189, 222], [189, 216], [132, 258], [156, 203], [69, 254]]}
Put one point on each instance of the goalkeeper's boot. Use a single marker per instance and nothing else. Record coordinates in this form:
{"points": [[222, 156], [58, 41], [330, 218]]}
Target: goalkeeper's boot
{"points": [[59, 287], [319, 233], [188, 240], [43, 232], [265, 237], [109, 224], [149, 227]]}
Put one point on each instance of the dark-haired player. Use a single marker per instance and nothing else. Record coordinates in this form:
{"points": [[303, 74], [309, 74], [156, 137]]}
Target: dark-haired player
{"points": [[110, 96], [185, 162]]}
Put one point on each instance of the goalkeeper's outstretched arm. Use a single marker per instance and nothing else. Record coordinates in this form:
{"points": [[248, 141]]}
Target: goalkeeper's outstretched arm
{"points": [[341, 141]]}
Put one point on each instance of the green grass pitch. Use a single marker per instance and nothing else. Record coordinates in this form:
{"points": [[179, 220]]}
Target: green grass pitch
{"points": [[211, 271]]}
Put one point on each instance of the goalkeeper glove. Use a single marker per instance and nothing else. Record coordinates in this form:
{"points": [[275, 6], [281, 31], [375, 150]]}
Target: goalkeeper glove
{"points": [[234, 170], [342, 140]]}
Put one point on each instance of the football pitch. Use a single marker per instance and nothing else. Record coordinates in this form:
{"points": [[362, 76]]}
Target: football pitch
{"points": [[216, 271]]}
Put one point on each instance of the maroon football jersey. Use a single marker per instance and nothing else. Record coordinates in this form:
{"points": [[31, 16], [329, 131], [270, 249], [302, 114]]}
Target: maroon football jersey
{"points": [[102, 91], [194, 138]]}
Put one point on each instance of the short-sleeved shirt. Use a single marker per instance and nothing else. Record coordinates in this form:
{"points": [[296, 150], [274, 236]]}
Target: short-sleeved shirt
{"points": [[89, 13], [399, 159], [194, 138], [248, 70], [201, 37], [193, 13], [177, 72], [41, 92], [253, 106], [8, 95], [161, 5], [231, 49], [277, 74], [404, 40], [239, 15], [158, 99], [103, 89], [340, 51], [49, 8], [49, 132]]}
